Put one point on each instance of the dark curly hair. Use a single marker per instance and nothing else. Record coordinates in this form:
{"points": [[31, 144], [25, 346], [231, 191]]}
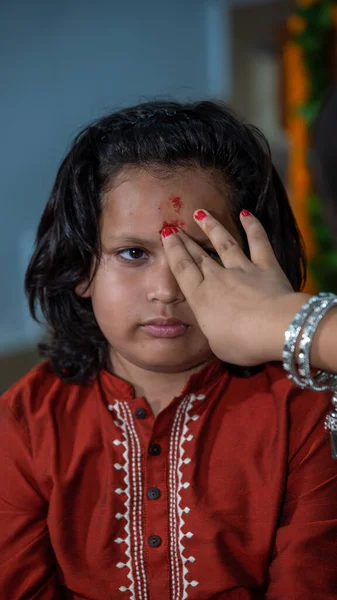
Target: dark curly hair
{"points": [[151, 135]]}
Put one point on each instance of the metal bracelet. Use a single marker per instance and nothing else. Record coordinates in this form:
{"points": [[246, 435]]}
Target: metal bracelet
{"points": [[292, 334], [305, 324], [303, 328], [323, 380]]}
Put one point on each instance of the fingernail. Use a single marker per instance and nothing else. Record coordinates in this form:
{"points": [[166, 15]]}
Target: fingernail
{"points": [[167, 231], [200, 215], [245, 213]]}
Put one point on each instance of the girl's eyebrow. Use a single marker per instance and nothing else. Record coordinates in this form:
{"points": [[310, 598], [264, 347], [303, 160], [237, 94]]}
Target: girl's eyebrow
{"points": [[122, 238], [128, 239]]}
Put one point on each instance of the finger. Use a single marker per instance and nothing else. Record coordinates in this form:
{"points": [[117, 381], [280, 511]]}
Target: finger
{"points": [[229, 250], [182, 265], [200, 255], [261, 250]]}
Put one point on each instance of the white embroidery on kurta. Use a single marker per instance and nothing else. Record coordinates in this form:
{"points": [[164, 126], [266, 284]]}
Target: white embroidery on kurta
{"points": [[179, 436], [133, 504]]}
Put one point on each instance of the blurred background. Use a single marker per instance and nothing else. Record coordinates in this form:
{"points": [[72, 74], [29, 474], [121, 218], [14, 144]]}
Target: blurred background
{"points": [[64, 63]]}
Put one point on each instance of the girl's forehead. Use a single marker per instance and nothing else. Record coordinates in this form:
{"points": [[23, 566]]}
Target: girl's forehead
{"points": [[178, 194], [142, 204]]}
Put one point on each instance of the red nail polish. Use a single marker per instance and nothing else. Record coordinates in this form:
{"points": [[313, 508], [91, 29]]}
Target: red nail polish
{"points": [[245, 213], [200, 215], [166, 232]]}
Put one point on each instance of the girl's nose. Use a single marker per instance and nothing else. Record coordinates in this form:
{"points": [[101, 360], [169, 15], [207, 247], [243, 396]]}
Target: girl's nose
{"points": [[163, 286]]}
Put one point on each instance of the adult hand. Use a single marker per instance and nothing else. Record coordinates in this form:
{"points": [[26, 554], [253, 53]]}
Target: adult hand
{"points": [[240, 304]]}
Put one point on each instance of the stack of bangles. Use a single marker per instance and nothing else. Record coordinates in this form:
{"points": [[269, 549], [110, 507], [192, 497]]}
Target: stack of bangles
{"points": [[296, 356]]}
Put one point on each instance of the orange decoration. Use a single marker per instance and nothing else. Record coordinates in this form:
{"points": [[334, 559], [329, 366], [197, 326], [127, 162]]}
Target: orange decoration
{"points": [[297, 91], [296, 24]]}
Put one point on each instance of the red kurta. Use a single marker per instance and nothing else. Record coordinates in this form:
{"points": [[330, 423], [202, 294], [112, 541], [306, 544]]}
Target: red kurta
{"points": [[231, 492]]}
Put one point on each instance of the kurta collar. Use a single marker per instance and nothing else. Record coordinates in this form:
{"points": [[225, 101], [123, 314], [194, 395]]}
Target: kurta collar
{"points": [[198, 383]]}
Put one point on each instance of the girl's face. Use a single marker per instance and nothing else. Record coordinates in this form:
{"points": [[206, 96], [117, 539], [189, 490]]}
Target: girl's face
{"points": [[134, 283]]}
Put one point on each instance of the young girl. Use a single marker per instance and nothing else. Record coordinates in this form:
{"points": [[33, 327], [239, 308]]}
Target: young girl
{"points": [[136, 463]]}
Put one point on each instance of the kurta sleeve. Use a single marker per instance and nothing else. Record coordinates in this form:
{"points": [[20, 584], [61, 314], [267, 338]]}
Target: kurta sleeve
{"points": [[304, 563], [27, 561]]}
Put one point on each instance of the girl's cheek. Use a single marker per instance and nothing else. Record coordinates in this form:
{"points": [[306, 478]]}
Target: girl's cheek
{"points": [[112, 273], [123, 279]]}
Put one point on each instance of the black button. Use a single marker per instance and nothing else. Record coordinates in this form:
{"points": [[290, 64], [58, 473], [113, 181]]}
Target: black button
{"points": [[155, 449], [154, 541], [153, 493], [140, 413]]}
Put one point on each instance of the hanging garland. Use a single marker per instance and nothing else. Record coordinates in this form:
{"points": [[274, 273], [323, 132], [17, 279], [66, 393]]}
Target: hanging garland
{"points": [[307, 77]]}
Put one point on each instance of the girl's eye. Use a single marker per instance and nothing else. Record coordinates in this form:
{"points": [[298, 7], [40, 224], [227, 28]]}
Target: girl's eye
{"points": [[134, 253], [137, 254]]}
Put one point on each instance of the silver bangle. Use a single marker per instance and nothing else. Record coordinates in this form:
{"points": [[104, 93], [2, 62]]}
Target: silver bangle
{"points": [[323, 380], [303, 327]]}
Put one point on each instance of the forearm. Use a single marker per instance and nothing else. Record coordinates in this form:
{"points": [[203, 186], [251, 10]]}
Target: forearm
{"points": [[324, 346]]}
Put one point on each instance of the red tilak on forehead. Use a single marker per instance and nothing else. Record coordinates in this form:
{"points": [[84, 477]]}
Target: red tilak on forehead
{"points": [[177, 203], [173, 224]]}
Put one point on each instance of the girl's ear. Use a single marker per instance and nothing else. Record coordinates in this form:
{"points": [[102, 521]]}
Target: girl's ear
{"points": [[83, 289]]}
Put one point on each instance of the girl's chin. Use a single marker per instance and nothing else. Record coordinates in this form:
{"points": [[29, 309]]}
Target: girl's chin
{"points": [[172, 362], [164, 355]]}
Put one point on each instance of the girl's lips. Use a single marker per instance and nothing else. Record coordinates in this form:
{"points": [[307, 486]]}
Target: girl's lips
{"points": [[166, 331]]}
